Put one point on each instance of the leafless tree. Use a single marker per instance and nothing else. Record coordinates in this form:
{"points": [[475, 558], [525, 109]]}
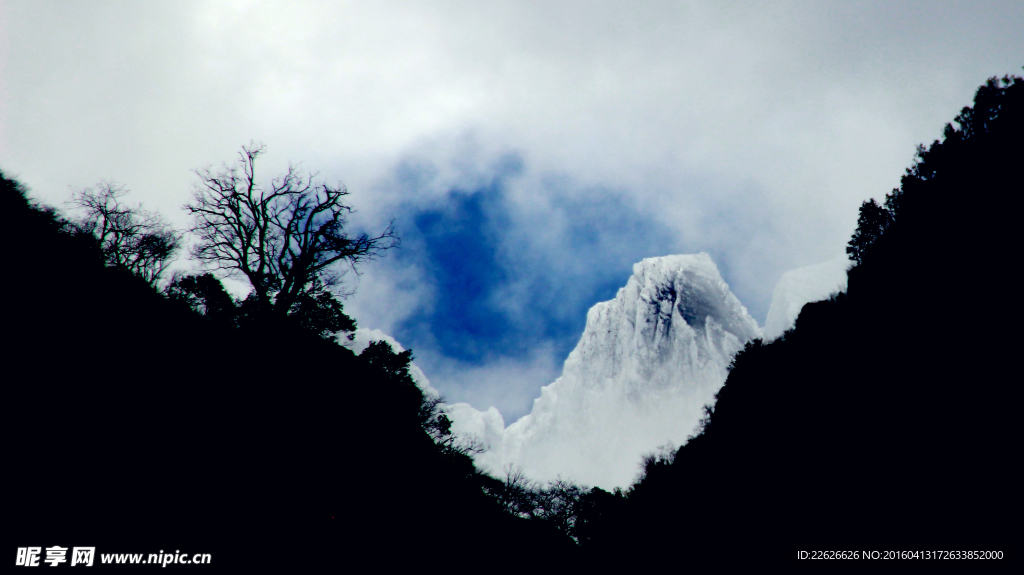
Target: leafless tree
{"points": [[518, 493], [286, 239], [131, 238], [559, 503], [439, 426]]}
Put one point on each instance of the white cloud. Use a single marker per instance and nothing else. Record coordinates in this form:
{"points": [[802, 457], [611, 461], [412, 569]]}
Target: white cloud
{"points": [[509, 384], [753, 131]]}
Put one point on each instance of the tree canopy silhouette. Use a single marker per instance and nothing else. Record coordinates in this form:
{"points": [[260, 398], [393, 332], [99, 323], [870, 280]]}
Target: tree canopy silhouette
{"points": [[204, 294], [132, 238], [930, 206], [286, 238], [871, 224]]}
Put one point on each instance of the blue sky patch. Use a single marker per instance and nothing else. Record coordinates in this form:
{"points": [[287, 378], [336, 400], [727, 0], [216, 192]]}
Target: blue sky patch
{"points": [[499, 290]]}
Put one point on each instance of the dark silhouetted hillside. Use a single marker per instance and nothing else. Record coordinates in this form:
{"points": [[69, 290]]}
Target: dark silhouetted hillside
{"points": [[137, 424], [883, 420]]}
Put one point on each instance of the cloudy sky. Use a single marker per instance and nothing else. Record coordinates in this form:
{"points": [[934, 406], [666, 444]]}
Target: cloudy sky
{"points": [[529, 152]]}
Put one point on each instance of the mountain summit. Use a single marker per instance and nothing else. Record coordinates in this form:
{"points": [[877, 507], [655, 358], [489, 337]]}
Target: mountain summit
{"points": [[647, 363]]}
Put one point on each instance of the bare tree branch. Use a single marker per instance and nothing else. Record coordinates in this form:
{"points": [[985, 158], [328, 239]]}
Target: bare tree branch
{"points": [[286, 239], [131, 238]]}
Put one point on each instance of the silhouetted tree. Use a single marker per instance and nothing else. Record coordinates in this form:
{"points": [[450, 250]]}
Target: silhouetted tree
{"points": [[928, 210], [260, 429], [438, 425], [598, 512], [321, 313], [656, 462], [559, 503], [205, 295], [871, 224], [130, 237], [516, 494], [429, 409], [285, 239]]}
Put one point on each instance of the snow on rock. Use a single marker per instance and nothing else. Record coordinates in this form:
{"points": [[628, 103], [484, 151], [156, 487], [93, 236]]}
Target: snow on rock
{"points": [[802, 286], [647, 363], [487, 427]]}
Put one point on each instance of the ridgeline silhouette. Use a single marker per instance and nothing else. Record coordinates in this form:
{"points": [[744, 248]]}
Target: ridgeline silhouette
{"points": [[188, 419], [882, 420], [144, 421]]}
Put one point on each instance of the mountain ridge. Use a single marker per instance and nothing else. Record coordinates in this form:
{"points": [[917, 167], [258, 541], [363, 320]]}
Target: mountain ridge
{"points": [[647, 363]]}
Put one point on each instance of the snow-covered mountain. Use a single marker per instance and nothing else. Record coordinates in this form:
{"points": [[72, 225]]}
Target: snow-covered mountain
{"points": [[648, 361], [646, 364], [801, 286]]}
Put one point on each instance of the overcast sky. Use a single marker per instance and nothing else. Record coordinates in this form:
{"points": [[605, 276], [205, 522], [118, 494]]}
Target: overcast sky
{"points": [[529, 152]]}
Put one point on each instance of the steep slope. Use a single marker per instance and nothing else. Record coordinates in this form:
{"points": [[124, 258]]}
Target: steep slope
{"points": [[176, 427], [363, 337], [647, 363], [802, 286], [884, 420]]}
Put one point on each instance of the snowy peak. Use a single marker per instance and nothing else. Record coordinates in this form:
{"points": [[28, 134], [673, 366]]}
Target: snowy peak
{"points": [[670, 305], [646, 364], [690, 286]]}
